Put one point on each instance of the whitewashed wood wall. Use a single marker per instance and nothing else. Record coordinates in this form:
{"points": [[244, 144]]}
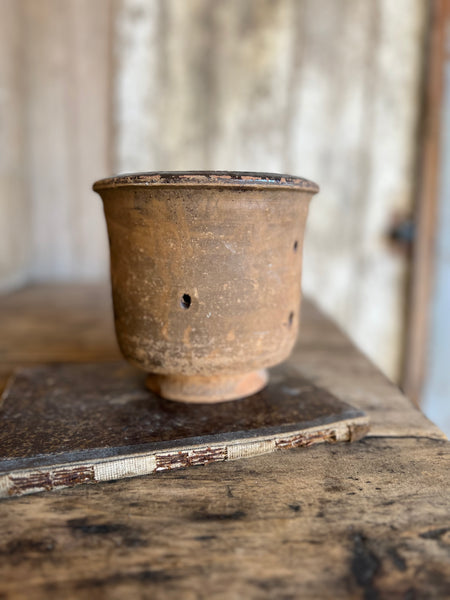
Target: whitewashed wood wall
{"points": [[326, 89]]}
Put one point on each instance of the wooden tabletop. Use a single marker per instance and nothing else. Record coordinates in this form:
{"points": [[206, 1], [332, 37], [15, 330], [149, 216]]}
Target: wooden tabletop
{"points": [[364, 520]]}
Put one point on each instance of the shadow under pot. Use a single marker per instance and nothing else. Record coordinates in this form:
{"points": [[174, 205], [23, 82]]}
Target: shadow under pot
{"points": [[206, 276]]}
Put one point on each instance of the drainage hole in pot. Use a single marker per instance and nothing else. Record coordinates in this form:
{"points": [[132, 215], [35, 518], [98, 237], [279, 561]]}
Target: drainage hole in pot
{"points": [[295, 246], [185, 301], [291, 319]]}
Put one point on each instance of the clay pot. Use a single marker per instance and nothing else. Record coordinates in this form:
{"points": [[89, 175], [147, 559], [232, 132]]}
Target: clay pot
{"points": [[206, 276]]}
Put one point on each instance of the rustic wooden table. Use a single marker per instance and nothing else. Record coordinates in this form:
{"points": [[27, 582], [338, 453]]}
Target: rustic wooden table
{"points": [[363, 520]]}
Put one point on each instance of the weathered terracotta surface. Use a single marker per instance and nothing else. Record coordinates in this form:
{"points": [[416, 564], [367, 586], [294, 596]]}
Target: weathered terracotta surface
{"points": [[206, 276]]}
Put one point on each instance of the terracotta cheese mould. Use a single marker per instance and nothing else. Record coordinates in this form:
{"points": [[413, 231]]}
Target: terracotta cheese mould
{"points": [[206, 276]]}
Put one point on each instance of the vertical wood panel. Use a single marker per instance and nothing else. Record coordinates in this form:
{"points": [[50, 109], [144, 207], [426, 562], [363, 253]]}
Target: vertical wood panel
{"points": [[67, 78], [14, 218], [331, 138], [324, 89], [422, 276], [136, 95], [380, 303], [437, 381]]}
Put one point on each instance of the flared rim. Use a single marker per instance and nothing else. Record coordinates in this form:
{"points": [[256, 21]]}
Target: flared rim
{"points": [[207, 178]]}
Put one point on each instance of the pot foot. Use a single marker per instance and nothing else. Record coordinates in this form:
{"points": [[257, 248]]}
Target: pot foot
{"points": [[204, 390]]}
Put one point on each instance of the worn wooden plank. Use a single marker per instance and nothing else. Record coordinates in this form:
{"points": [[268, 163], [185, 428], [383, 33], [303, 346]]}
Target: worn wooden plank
{"points": [[138, 138], [369, 520], [14, 221], [436, 389], [327, 357], [422, 271], [359, 170], [67, 71]]}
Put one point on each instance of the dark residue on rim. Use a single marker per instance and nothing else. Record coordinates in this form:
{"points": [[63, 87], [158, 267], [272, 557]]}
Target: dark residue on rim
{"points": [[205, 178]]}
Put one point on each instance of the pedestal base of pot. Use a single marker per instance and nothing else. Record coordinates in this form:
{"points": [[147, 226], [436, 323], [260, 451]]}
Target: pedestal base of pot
{"points": [[204, 390]]}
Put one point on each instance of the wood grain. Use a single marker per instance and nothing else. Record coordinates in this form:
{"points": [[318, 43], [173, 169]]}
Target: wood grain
{"points": [[66, 48], [426, 209], [15, 224], [366, 520]]}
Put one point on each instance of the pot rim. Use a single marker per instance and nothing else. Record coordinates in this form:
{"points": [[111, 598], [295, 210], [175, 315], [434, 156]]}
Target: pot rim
{"points": [[247, 179]]}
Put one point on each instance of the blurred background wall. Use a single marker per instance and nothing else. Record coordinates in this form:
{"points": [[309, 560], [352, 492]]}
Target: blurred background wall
{"points": [[327, 89]]}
